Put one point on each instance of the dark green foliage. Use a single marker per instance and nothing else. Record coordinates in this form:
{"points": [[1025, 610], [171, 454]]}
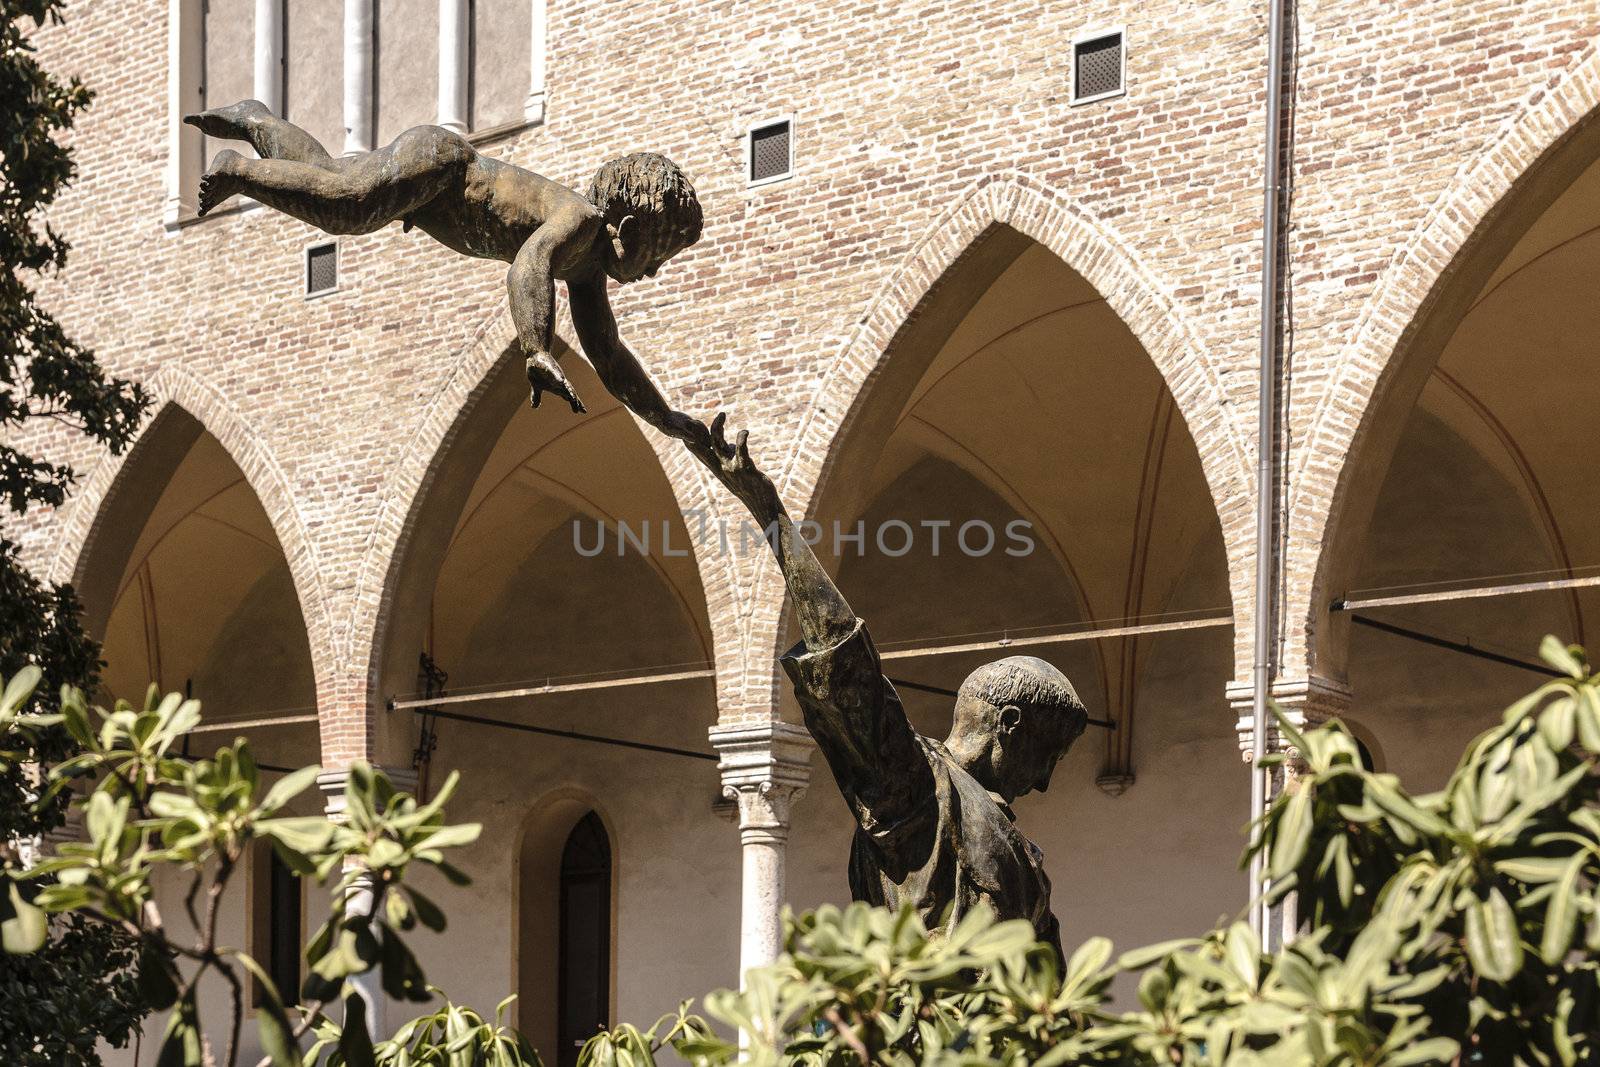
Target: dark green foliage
{"points": [[65, 1018], [46, 375], [1457, 927]]}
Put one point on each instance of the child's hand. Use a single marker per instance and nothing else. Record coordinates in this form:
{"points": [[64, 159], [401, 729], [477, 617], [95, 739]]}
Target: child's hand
{"points": [[545, 375]]}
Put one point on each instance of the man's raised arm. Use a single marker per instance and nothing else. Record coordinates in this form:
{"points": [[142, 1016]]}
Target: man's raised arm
{"points": [[851, 708], [825, 618]]}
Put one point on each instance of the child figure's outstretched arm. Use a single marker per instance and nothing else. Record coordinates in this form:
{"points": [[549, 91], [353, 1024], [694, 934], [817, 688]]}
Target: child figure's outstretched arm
{"points": [[620, 371], [531, 285]]}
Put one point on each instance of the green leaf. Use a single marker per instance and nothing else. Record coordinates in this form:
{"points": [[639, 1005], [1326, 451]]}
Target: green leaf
{"points": [[272, 1022], [305, 833], [1433, 1050], [1140, 958], [1493, 941], [182, 1045], [1565, 658], [1589, 718], [287, 788], [1561, 915], [452, 836], [1559, 722], [19, 690], [24, 929], [1244, 954], [1534, 870], [1087, 961], [1293, 833]]}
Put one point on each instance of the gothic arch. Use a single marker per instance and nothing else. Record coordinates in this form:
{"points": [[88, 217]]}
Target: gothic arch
{"points": [[107, 513], [962, 252], [1408, 319], [433, 475]]}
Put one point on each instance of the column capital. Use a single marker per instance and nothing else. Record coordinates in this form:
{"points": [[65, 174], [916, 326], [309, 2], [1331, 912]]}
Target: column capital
{"points": [[331, 784], [1307, 702], [765, 768]]}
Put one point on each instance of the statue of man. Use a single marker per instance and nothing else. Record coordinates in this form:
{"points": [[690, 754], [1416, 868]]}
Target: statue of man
{"points": [[640, 212], [933, 820]]}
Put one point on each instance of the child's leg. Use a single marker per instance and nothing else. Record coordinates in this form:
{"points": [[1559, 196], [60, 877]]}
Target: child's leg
{"points": [[355, 195], [270, 136]]}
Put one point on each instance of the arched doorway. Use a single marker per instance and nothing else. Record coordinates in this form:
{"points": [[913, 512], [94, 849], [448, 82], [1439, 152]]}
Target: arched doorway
{"points": [[1489, 491], [584, 932], [565, 929], [1023, 479]]}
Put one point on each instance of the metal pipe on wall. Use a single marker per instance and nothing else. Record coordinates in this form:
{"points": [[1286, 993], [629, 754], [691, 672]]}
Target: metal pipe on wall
{"points": [[1266, 442]]}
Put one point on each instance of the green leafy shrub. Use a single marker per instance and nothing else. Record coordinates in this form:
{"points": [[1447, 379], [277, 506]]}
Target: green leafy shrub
{"points": [[1456, 927], [1453, 927], [145, 807]]}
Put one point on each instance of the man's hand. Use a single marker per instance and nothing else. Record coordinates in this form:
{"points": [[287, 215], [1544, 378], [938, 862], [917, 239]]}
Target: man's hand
{"points": [[737, 471]]}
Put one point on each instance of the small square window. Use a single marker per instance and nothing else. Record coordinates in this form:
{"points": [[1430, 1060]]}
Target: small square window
{"points": [[322, 269], [1099, 64], [771, 151]]}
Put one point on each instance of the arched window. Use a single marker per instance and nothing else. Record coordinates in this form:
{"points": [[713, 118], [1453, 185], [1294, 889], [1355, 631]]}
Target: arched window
{"points": [[585, 980]]}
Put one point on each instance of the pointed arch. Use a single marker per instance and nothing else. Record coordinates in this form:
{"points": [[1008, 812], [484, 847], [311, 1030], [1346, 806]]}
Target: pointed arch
{"points": [[940, 278], [433, 477], [108, 511], [1409, 317]]}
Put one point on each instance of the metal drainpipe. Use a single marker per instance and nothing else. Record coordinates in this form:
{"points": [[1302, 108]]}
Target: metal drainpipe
{"points": [[1266, 439]]}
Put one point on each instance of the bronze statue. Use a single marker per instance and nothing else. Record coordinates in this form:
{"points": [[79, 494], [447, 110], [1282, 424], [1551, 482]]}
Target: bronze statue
{"points": [[933, 820], [641, 211]]}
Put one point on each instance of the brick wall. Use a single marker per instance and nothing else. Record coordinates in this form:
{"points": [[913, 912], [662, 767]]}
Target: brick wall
{"points": [[918, 127]]}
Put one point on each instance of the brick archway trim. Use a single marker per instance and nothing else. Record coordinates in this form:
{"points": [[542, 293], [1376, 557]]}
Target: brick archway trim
{"points": [[172, 387], [1105, 260], [1414, 280]]}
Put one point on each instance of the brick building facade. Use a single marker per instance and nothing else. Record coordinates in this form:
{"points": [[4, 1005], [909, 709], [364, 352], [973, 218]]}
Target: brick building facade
{"points": [[947, 193]]}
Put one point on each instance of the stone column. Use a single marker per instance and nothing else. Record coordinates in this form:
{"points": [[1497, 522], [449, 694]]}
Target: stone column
{"points": [[185, 57], [358, 69], [455, 34], [533, 106], [1307, 703], [765, 768], [361, 898], [269, 54]]}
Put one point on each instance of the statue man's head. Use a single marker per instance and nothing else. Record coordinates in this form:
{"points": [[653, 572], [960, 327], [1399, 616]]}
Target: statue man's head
{"points": [[651, 213], [1014, 719]]}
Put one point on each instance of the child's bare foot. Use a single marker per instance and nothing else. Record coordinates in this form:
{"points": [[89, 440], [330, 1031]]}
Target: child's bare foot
{"points": [[544, 373], [229, 122], [221, 181]]}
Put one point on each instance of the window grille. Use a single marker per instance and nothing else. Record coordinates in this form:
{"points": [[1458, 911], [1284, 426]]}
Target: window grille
{"points": [[1097, 67], [322, 269], [771, 152]]}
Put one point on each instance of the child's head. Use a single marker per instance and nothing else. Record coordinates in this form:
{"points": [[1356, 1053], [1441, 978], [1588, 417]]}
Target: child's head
{"points": [[650, 205]]}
